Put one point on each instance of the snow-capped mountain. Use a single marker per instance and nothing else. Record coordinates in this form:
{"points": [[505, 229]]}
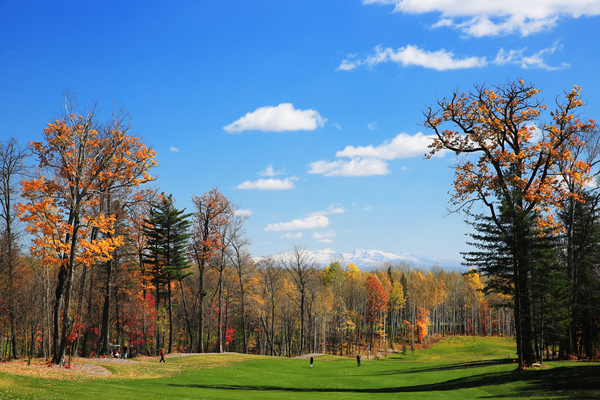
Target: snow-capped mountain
{"points": [[367, 259]]}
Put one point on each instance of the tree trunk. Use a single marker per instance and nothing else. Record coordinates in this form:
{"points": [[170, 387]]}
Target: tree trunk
{"points": [[187, 319], [60, 289], [105, 332], [220, 317], [201, 311]]}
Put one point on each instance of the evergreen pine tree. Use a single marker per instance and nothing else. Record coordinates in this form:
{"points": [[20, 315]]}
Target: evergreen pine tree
{"points": [[518, 261], [167, 230]]}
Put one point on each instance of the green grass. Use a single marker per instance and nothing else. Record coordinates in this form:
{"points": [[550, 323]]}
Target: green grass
{"points": [[459, 368]]}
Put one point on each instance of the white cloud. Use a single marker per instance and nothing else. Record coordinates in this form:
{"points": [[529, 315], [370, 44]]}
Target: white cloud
{"points": [[269, 171], [354, 167], [324, 237], [489, 18], [243, 213], [291, 236], [348, 65], [402, 146], [443, 22], [312, 222], [277, 119], [372, 126], [174, 149], [269, 184], [332, 209], [536, 60], [337, 126], [369, 160], [409, 55], [442, 60]]}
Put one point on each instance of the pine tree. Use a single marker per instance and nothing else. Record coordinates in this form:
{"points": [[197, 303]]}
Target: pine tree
{"points": [[581, 253], [167, 230], [519, 261]]}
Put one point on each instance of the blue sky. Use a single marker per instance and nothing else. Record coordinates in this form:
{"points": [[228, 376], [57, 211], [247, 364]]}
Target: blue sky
{"points": [[304, 113]]}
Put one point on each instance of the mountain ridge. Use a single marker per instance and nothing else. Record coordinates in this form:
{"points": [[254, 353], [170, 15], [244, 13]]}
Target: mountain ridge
{"points": [[368, 259]]}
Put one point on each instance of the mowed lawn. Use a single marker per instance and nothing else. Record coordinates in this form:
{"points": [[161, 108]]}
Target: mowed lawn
{"points": [[455, 368]]}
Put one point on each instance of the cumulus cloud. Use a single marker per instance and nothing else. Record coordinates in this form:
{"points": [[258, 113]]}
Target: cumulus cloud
{"points": [[324, 237], [269, 184], [311, 222], [174, 149], [277, 119], [243, 213], [369, 160], [269, 171], [410, 55], [402, 146], [490, 18], [354, 167]]}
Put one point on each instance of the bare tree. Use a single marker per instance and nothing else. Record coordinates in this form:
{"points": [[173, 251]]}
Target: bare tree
{"points": [[12, 166], [269, 271], [211, 211], [301, 268], [240, 259]]}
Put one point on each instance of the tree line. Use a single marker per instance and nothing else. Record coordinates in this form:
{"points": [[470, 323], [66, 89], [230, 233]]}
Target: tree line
{"points": [[113, 262]]}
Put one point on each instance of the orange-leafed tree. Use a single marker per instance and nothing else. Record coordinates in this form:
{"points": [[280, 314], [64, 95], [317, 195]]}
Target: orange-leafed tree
{"points": [[211, 213], [509, 162], [80, 163], [377, 301], [421, 324]]}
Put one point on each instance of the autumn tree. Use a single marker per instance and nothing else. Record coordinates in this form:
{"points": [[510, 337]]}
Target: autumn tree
{"points": [[377, 300], [396, 300], [333, 276], [211, 212], [421, 324], [517, 165], [12, 168], [79, 160]]}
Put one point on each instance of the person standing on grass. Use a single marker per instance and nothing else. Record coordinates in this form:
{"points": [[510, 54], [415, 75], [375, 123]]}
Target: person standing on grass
{"points": [[162, 356], [358, 360], [311, 361]]}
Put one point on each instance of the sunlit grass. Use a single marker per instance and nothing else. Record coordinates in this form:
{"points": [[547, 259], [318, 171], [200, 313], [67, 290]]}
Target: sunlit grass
{"points": [[460, 367]]}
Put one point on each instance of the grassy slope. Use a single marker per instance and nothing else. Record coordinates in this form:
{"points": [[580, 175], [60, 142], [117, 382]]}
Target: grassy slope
{"points": [[463, 368]]}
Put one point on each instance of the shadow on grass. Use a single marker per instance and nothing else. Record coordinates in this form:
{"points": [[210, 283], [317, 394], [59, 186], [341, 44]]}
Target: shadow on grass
{"points": [[453, 367], [567, 382]]}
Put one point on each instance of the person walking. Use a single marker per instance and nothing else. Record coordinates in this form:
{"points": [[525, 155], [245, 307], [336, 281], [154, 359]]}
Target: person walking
{"points": [[358, 360], [162, 356], [311, 361]]}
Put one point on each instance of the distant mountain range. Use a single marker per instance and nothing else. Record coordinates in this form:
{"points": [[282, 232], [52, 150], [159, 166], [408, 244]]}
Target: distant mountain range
{"points": [[368, 259]]}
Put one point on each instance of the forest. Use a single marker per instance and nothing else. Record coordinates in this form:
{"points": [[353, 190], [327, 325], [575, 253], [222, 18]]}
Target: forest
{"points": [[93, 257]]}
